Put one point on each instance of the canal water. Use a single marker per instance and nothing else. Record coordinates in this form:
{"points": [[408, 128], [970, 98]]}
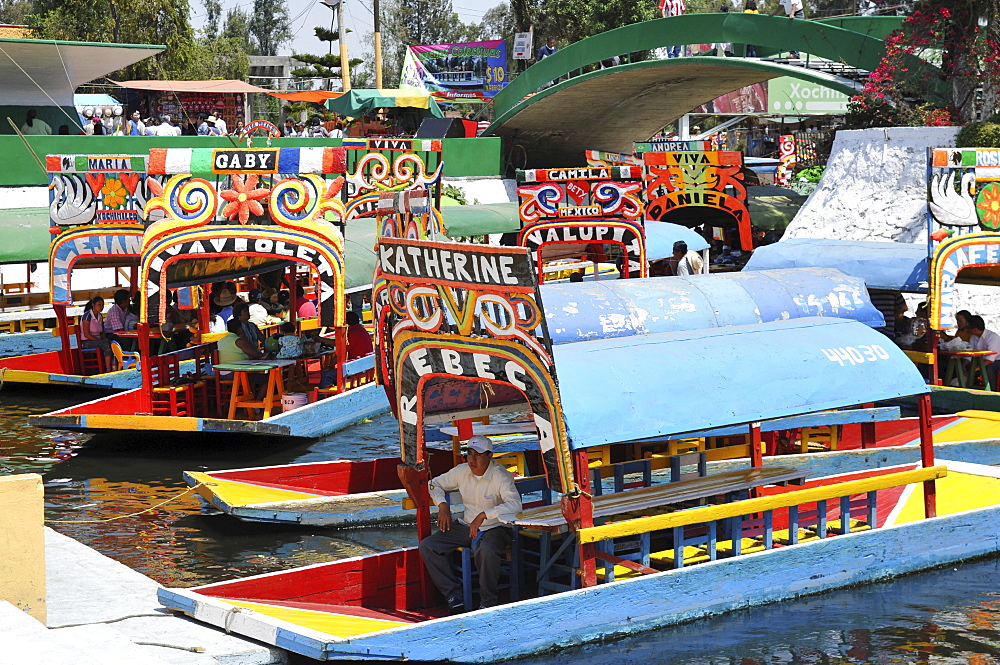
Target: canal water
{"points": [[124, 496]]}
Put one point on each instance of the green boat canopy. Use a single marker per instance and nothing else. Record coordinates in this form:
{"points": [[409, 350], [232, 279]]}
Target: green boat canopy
{"points": [[26, 233], [358, 102], [480, 220]]}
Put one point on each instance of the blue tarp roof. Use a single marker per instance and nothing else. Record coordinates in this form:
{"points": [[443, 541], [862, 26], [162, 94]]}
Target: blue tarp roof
{"points": [[666, 384], [661, 236], [894, 266], [626, 307]]}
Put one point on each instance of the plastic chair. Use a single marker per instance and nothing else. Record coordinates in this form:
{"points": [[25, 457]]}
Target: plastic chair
{"points": [[126, 359]]}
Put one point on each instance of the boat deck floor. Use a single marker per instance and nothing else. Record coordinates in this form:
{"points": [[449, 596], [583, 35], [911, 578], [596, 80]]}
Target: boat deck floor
{"points": [[338, 620]]}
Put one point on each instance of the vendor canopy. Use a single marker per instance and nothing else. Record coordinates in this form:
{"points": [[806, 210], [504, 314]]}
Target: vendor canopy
{"points": [[666, 384], [358, 102], [628, 307], [219, 86], [37, 72], [893, 266]]}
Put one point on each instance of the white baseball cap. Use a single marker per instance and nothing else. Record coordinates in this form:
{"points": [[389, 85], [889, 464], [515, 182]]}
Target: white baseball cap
{"points": [[480, 444]]}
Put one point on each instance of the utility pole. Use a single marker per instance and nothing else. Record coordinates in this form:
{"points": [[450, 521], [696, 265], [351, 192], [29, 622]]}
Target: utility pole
{"points": [[345, 67], [378, 46]]}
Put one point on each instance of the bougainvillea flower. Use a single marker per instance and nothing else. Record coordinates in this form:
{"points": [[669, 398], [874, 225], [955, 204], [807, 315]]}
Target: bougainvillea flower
{"points": [[113, 193], [244, 199]]}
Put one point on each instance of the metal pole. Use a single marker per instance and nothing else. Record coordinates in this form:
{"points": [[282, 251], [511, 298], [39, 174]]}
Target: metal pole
{"points": [[345, 67], [378, 46]]}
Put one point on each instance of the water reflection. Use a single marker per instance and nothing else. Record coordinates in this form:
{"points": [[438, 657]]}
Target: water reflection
{"points": [[156, 526], [942, 617]]}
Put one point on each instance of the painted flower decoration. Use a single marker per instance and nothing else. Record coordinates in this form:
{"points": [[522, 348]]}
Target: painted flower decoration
{"points": [[114, 193], [988, 205], [244, 199]]}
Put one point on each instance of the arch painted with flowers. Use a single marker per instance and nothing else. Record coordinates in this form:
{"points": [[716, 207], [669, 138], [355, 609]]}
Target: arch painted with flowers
{"points": [[238, 211], [963, 225]]}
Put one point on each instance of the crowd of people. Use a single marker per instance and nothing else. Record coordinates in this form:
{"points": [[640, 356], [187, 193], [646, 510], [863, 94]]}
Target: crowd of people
{"points": [[240, 319]]}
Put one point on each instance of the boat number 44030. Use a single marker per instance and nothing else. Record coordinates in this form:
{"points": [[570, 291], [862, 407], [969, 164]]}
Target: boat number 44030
{"points": [[856, 355]]}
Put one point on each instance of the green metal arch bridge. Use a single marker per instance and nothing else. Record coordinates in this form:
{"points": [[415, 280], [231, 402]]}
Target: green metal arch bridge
{"points": [[609, 108]]}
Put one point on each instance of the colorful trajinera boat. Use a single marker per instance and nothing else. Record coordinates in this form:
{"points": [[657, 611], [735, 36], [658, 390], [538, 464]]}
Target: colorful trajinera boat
{"points": [[95, 218], [217, 215], [580, 555]]}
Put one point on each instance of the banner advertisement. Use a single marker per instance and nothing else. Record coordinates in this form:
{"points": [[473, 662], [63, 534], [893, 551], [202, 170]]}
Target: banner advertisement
{"points": [[788, 95], [470, 70]]}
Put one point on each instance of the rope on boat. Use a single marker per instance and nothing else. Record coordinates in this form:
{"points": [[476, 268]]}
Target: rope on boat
{"points": [[3, 370], [121, 517]]}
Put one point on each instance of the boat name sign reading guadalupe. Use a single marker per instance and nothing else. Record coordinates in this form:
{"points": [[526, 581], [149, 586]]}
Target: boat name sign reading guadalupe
{"points": [[438, 262]]}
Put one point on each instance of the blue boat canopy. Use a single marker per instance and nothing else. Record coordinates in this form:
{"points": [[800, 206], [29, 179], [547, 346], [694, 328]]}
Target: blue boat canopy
{"points": [[893, 266], [661, 236], [626, 307], [666, 384]]}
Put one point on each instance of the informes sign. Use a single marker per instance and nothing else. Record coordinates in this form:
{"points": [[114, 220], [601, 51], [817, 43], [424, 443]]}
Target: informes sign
{"points": [[470, 70], [522, 46]]}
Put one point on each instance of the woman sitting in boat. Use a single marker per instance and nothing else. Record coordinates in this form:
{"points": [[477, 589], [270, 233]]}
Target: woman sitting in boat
{"points": [[249, 330], [92, 331], [234, 347]]}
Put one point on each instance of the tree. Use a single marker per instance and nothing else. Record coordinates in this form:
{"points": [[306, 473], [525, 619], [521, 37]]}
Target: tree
{"points": [[122, 22], [574, 20], [15, 12], [965, 38], [325, 67], [270, 27]]}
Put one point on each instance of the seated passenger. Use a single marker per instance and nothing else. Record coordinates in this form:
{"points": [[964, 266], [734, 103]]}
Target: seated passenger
{"points": [[985, 340], [359, 342], [490, 499], [290, 344]]}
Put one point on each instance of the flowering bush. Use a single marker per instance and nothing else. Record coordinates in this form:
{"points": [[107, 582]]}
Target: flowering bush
{"points": [[900, 92]]}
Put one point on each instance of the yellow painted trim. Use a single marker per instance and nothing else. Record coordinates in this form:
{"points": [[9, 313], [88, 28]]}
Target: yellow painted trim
{"points": [[338, 625], [957, 493], [237, 493], [726, 510], [212, 337], [159, 423], [921, 357], [28, 376]]}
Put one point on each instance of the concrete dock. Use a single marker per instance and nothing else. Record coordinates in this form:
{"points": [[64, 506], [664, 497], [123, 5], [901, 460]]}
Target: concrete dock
{"points": [[101, 612]]}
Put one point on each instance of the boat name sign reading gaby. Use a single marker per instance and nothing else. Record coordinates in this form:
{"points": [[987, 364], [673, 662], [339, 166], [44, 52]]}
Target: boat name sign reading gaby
{"points": [[445, 265], [244, 161]]}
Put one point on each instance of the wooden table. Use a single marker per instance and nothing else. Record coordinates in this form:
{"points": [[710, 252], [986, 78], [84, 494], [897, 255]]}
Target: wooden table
{"points": [[242, 396], [956, 366], [550, 518]]}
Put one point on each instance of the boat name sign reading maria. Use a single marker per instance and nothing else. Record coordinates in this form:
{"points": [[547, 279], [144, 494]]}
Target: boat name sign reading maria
{"points": [[443, 265], [244, 161]]}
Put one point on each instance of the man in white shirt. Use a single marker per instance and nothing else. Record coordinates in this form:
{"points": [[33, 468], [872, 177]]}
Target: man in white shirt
{"points": [[164, 128], [490, 499], [685, 262], [985, 340]]}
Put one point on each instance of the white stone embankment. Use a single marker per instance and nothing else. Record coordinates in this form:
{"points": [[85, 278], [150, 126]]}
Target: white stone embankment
{"points": [[875, 188]]}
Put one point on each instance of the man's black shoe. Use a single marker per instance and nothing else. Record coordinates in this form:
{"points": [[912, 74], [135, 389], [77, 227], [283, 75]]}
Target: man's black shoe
{"points": [[456, 604]]}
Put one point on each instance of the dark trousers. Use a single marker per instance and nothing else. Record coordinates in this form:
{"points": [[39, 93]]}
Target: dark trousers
{"points": [[437, 548]]}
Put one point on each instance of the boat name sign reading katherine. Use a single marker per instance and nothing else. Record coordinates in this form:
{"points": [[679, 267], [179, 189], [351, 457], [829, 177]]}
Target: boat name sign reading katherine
{"points": [[439, 263]]}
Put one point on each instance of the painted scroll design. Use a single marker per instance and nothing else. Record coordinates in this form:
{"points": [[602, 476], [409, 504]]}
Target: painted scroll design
{"points": [[584, 206], [472, 312], [677, 180]]}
